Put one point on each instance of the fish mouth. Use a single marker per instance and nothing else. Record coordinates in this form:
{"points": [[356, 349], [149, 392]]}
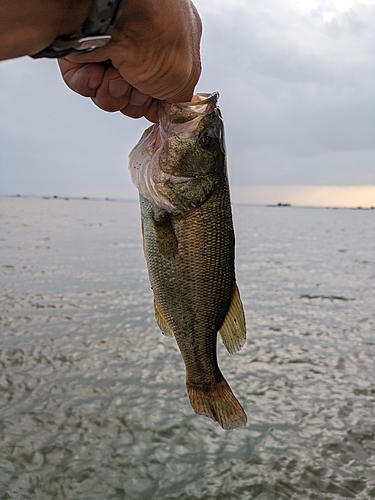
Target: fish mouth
{"points": [[201, 102], [201, 105]]}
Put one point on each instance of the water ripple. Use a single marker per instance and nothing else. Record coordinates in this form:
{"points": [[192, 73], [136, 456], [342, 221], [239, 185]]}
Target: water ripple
{"points": [[93, 402]]}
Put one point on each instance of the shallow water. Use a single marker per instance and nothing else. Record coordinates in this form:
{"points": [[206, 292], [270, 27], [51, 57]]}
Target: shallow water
{"points": [[92, 397]]}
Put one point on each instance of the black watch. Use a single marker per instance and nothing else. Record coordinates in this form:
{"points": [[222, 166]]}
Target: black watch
{"points": [[95, 31]]}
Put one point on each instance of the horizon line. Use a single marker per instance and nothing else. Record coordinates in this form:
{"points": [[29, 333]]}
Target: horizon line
{"points": [[234, 202]]}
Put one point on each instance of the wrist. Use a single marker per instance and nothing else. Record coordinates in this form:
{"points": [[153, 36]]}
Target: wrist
{"points": [[94, 32]]}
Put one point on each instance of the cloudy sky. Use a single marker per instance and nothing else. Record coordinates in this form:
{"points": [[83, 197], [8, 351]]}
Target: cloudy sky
{"points": [[297, 86]]}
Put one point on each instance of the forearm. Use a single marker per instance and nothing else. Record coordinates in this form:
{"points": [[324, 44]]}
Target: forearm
{"points": [[27, 26]]}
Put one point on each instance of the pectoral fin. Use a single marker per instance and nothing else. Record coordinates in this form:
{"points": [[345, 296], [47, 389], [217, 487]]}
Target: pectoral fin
{"points": [[233, 330], [165, 235], [162, 322]]}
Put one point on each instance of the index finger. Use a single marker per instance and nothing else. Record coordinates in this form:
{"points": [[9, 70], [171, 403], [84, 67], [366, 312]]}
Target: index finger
{"points": [[82, 78]]}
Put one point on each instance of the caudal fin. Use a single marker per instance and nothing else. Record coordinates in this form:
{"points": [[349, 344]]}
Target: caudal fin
{"points": [[219, 403]]}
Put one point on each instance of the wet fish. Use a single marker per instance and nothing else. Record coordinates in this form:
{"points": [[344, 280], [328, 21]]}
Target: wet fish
{"points": [[179, 168]]}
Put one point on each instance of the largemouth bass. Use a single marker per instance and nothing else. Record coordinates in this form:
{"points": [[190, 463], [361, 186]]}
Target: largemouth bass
{"points": [[179, 168]]}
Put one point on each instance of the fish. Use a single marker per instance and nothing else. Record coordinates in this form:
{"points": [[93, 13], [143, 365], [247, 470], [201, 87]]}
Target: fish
{"points": [[179, 169]]}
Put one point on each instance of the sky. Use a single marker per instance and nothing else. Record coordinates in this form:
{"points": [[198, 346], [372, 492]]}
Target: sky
{"points": [[297, 86]]}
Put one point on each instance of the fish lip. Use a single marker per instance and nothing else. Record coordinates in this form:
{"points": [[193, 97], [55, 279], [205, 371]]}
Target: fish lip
{"points": [[179, 179], [171, 178]]}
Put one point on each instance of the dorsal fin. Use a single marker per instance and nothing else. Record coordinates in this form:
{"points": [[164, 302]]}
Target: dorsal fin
{"points": [[162, 322], [233, 329]]}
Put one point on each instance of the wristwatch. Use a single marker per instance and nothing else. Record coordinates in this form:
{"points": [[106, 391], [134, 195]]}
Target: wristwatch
{"points": [[95, 31]]}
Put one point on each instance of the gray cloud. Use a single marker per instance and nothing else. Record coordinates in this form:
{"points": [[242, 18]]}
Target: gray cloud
{"points": [[297, 93], [297, 96]]}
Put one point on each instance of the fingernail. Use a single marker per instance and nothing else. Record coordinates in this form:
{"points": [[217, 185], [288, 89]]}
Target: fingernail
{"points": [[73, 83], [118, 88], [94, 83]]}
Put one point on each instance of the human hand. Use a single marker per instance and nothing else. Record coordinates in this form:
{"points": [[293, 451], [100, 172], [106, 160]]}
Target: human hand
{"points": [[153, 55]]}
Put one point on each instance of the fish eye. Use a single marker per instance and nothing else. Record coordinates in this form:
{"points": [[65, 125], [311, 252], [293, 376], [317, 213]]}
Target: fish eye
{"points": [[208, 139]]}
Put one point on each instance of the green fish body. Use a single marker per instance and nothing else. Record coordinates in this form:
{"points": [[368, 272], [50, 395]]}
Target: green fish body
{"points": [[179, 167]]}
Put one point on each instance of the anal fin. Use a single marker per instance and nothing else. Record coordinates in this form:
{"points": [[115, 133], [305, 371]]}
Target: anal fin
{"points": [[233, 329]]}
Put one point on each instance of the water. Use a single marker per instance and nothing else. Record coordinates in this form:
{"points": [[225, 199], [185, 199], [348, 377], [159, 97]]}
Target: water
{"points": [[92, 397]]}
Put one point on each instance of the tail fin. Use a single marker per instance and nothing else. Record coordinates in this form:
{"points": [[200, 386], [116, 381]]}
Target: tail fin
{"points": [[219, 403]]}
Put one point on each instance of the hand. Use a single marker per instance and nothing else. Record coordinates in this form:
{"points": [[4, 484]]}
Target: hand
{"points": [[153, 55]]}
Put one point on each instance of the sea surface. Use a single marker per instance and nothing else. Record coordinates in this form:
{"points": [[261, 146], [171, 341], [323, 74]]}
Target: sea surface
{"points": [[93, 404]]}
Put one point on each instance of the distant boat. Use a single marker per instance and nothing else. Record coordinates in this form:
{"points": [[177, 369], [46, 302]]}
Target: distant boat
{"points": [[280, 205]]}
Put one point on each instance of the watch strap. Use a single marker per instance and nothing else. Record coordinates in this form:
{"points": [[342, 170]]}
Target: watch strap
{"points": [[95, 31]]}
